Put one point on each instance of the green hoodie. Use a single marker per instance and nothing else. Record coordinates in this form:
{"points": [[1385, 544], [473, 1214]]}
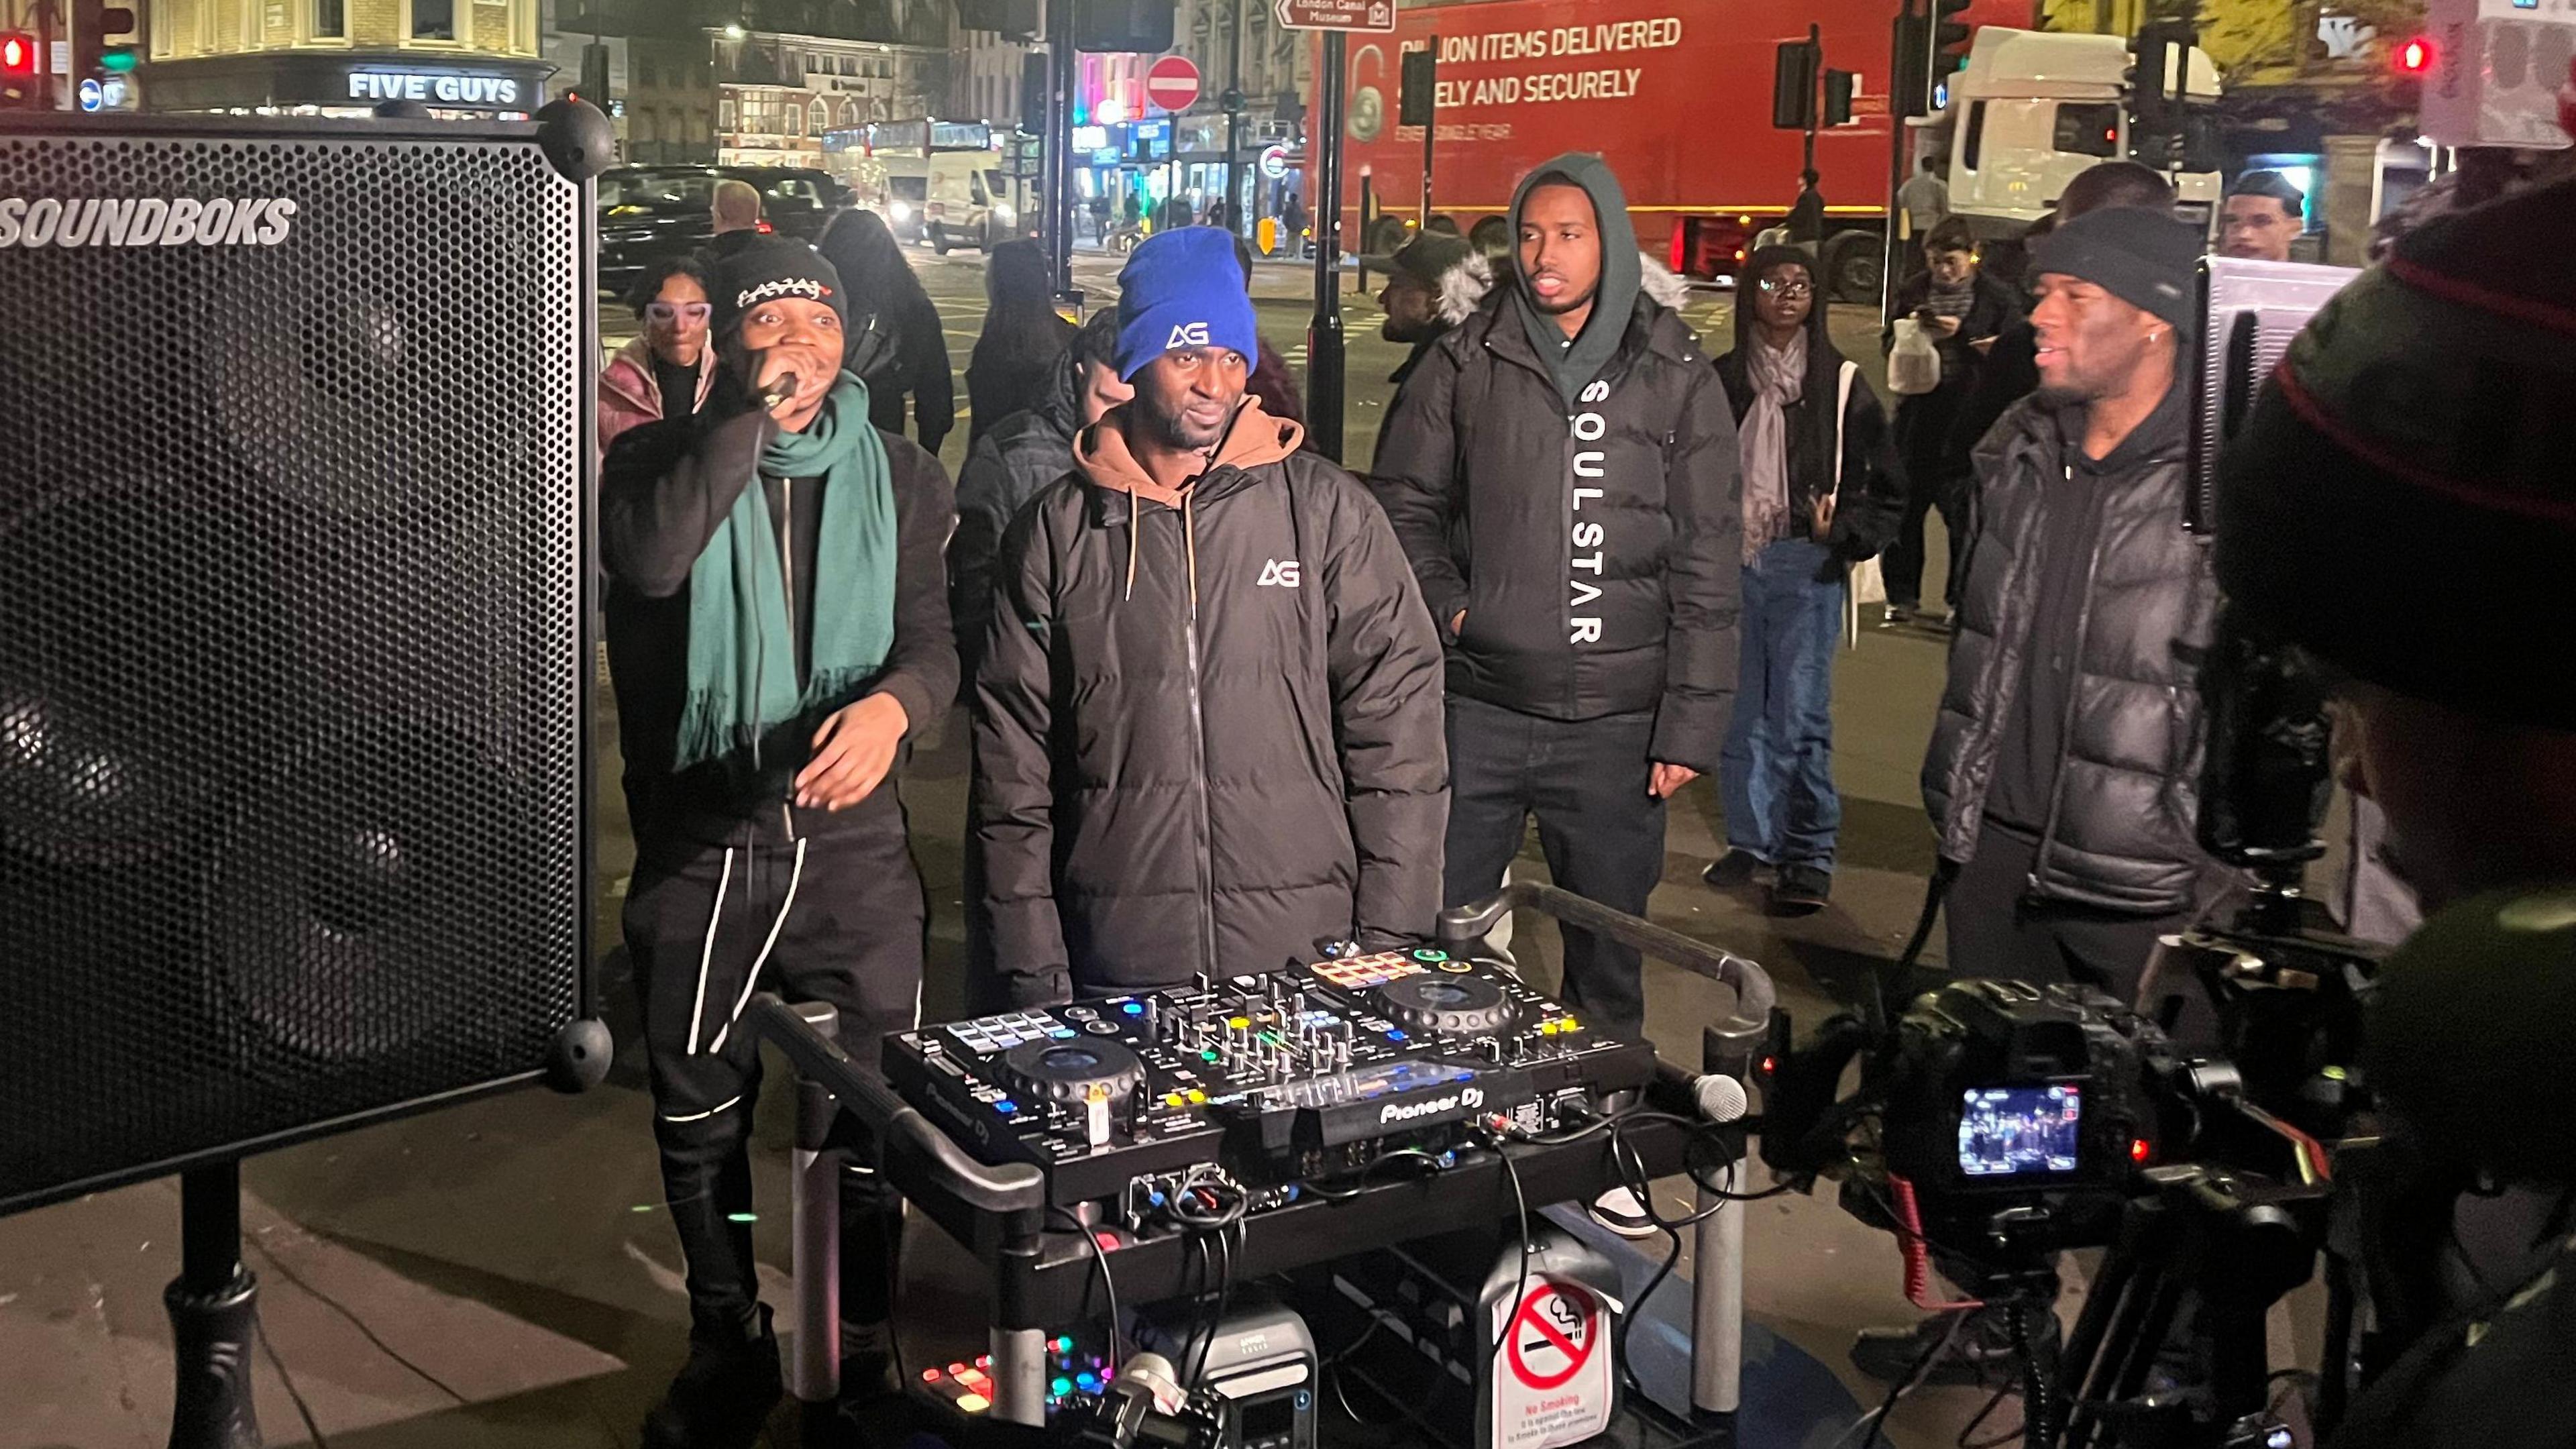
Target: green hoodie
{"points": [[1614, 301]]}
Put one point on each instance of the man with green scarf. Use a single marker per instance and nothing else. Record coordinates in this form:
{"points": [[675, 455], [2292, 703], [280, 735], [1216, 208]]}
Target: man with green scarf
{"points": [[777, 627], [1561, 470]]}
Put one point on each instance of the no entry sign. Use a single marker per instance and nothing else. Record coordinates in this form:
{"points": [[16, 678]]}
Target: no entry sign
{"points": [[1552, 1381], [1173, 83]]}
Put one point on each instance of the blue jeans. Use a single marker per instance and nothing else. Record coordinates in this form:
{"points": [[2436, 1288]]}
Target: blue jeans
{"points": [[1778, 768]]}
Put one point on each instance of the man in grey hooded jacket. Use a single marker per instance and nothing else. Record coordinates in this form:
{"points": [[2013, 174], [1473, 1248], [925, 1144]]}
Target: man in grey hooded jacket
{"points": [[1561, 470]]}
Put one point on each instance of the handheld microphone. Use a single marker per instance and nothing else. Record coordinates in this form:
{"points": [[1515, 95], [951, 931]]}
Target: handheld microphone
{"points": [[779, 390]]}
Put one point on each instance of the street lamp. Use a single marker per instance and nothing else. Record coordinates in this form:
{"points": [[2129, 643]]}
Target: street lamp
{"points": [[734, 32]]}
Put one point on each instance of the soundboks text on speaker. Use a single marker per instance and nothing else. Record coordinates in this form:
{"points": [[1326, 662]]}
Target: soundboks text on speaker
{"points": [[145, 221]]}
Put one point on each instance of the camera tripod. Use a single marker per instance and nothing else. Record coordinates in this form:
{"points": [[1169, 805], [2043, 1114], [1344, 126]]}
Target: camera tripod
{"points": [[2224, 1247]]}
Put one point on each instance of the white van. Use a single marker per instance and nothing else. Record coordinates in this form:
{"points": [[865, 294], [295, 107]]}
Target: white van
{"points": [[2031, 109], [948, 198]]}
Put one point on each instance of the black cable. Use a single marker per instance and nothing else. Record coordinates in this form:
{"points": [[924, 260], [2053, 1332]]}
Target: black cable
{"points": [[1520, 1234], [1993, 1402], [312, 1430], [278, 1265], [2037, 1421], [1627, 1321], [1358, 1179], [1108, 1283], [1913, 1377]]}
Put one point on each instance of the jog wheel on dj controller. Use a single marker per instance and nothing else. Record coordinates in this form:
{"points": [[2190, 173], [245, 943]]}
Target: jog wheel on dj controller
{"points": [[1073, 1071], [1448, 1005]]}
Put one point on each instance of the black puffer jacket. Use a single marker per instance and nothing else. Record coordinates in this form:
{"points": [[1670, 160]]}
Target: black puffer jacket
{"points": [[1005, 468], [2119, 833], [1626, 605], [1202, 761]]}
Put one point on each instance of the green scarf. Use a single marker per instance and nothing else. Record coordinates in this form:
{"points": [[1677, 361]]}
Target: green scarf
{"points": [[742, 653]]}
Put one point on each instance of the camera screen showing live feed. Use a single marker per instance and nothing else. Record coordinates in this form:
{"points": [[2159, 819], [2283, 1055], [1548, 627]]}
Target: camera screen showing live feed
{"points": [[2020, 1131]]}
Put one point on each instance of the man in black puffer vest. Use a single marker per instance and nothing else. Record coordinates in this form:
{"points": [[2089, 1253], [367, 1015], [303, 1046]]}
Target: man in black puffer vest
{"points": [[1207, 722], [1561, 469]]}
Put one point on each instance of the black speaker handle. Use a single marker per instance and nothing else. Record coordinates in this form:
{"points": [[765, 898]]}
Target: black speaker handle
{"points": [[577, 137]]}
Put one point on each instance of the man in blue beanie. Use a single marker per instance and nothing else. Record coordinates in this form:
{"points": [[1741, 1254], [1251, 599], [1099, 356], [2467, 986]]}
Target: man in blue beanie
{"points": [[1207, 720], [777, 627]]}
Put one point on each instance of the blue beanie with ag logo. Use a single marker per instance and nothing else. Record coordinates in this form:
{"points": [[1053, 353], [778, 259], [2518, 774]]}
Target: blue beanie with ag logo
{"points": [[1183, 288]]}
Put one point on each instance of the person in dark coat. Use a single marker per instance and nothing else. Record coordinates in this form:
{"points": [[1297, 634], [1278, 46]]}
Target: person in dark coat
{"points": [[777, 629], [1561, 468], [2392, 545], [2010, 370], [1806, 219], [1016, 357], [2058, 775], [1020, 456], [1964, 309], [2062, 778], [882, 285], [1822, 491], [1207, 722]]}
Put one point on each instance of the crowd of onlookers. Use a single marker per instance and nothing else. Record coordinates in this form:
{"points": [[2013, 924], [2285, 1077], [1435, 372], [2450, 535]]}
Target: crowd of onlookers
{"points": [[1234, 705]]}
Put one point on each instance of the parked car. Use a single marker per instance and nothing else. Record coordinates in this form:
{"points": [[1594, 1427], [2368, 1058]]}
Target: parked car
{"points": [[648, 213]]}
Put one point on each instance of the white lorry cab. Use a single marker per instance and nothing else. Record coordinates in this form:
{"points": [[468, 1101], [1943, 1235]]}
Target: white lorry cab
{"points": [[2031, 109]]}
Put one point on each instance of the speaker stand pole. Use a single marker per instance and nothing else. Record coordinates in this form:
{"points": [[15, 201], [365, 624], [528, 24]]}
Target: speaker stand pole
{"points": [[214, 1316]]}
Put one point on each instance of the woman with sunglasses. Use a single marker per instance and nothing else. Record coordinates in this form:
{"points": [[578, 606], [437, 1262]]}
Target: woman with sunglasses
{"points": [[666, 372]]}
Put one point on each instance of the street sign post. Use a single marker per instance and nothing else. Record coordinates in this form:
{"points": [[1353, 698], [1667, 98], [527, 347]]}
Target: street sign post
{"points": [[1173, 84], [1324, 341], [1372, 16]]}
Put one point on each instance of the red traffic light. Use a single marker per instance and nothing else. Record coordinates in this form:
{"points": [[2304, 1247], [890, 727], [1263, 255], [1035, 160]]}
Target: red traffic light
{"points": [[2414, 56], [17, 55]]}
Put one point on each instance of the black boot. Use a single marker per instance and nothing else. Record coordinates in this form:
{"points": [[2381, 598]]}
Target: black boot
{"points": [[723, 1395]]}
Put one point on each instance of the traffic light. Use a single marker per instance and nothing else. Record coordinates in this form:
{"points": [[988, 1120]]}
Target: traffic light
{"points": [[1909, 90], [1949, 39], [18, 88], [1143, 27], [2413, 57], [2159, 120], [1793, 85], [102, 38], [594, 75]]}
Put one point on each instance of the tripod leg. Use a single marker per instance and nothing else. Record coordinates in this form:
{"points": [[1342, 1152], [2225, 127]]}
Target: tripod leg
{"points": [[214, 1316]]}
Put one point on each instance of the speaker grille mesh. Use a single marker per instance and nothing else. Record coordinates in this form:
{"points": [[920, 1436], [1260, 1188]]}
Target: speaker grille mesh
{"points": [[290, 641]]}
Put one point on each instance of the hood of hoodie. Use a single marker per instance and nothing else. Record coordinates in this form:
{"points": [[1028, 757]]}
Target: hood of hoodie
{"points": [[1614, 300], [1255, 438]]}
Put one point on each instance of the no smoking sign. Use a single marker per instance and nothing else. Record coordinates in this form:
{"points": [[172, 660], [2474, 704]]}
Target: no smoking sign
{"points": [[1552, 1385]]}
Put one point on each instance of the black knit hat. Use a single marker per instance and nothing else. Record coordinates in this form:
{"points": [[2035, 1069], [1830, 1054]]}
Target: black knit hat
{"points": [[2145, 258], [780, 268], [2403, 499]]}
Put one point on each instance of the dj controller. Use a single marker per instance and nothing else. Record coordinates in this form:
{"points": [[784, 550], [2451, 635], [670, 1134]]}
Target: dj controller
{"points": [[1280, 1081]]}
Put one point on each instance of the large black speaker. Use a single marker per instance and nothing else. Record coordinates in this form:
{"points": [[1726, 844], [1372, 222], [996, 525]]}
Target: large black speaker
{"points": [[294, 576]]}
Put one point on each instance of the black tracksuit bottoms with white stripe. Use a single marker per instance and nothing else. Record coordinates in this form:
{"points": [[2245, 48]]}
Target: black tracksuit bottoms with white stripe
{"points": [[836, 916]]}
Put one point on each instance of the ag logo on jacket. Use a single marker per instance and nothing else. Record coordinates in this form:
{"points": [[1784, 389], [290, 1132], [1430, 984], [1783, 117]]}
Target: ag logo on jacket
{"points": [[1278, 573]]}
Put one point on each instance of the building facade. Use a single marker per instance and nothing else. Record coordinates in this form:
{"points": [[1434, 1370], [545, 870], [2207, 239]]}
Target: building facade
{"points": [[460, 58], [777, 95]]}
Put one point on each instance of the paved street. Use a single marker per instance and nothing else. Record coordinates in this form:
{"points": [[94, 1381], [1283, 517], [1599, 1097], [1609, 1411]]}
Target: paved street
{"points": [[500, 1274]]}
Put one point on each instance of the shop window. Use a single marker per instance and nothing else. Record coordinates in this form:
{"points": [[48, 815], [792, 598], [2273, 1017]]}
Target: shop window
{"points": [[433, 19]]}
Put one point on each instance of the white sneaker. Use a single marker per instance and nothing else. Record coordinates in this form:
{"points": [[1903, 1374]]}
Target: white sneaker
{"points": [[1620, 1212]]}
